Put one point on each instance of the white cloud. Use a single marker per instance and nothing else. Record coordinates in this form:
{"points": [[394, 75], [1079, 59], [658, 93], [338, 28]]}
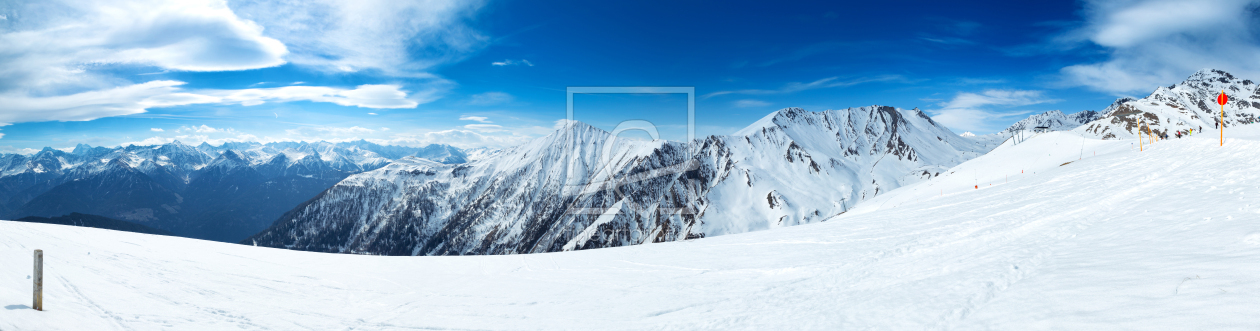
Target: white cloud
{"points": [[50, 57], [792, 87], [204, 129], [85, 106], [326, 131], [510, 62], [374, 114], [746, 103], [1158, 42], [974, 111], [398, 38], [194, 139], [481, 119], [14, 150], [156, 129], [998, 97], [490, 98], [364, 96], [460, 138], [135, 99], [484, 127], [51, 49]]}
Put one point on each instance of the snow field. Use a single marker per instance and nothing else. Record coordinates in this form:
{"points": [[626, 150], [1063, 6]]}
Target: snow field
{"points": [[1167, 238]]}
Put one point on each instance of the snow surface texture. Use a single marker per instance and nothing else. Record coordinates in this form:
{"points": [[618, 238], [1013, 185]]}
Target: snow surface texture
{"points": [[574, 189], [1188, 105], [1164, 239]]}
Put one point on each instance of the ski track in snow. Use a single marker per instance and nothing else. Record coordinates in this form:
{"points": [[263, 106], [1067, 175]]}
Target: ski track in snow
{"points": [[1166, 238]]}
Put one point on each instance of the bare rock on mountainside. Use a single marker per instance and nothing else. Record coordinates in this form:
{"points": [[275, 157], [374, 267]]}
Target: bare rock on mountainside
{"points": [[1190, 104], [561, 192]]}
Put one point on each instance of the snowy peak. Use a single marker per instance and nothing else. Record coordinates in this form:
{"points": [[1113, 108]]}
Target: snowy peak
{"points": [[1054, 120], [119, 163], [1084, 116], [574, 189], [863, 131], [1213, 79], [81, 149], [1190, 104], [227, 163]]}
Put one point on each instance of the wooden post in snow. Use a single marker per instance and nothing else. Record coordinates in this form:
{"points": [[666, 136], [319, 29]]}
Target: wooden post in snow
{"points": [[38, 277]]}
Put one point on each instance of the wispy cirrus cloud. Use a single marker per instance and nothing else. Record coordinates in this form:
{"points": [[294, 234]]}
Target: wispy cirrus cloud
{"points": [[829, 82], [490, 98], [135, 99], [329, 132], [807, 51], [204, 129], [481, 119], [980, 112], [465, 138], [52, 49], [948, 40], [510, 62], [1157, 42], [51, 57], [747, 103], [396, 38], [484, 127]]}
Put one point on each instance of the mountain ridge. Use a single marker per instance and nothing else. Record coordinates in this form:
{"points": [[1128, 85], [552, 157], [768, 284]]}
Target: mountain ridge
{"points": [[562, 192], [1190, 104], [224, 192]]}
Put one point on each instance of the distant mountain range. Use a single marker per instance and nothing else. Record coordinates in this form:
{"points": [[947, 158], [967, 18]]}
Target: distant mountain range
{"points": [[223, 193]]}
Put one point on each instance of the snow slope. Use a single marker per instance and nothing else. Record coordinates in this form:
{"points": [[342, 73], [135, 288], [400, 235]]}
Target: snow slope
{"points": [[1162, 239]]}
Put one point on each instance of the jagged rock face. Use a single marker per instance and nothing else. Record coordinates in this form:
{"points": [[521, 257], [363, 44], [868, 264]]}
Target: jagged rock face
{"points": [[1190, 104], [223, 193], [563, 192], [1054, 120], [1084, 117]]}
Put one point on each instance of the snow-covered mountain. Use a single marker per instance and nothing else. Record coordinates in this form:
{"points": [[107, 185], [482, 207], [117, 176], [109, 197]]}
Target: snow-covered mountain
{"points": [[1068, 242], [224, 192], [577, 189], [1190, 104], [1053, 119]]}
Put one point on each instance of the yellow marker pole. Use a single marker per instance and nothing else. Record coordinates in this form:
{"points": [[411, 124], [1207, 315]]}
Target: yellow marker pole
{"points": [[1149, 138], [1140, 148]]}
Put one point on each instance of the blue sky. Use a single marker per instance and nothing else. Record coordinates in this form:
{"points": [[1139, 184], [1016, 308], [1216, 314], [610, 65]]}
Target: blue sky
{"points": [[494, 73]]}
